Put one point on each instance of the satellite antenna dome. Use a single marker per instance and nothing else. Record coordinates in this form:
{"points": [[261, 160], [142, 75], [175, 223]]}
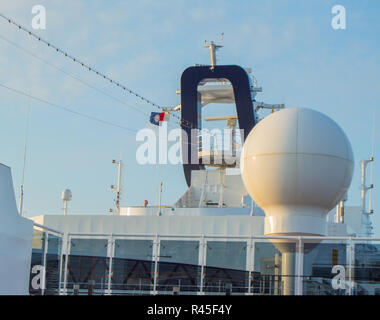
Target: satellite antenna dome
{"points": [[67, 195], [296, 164]]}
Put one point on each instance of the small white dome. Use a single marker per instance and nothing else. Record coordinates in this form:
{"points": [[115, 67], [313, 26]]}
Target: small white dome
{"points": [[297, 164], [67, 195]]}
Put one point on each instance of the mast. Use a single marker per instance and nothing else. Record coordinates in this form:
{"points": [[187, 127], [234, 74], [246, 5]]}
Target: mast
{"points": [[366, 224], [21, 199], [160, 197], [213, 48], [118, 187]]}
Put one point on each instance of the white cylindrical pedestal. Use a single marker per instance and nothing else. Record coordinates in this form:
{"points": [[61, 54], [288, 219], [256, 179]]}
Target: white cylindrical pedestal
{"points": [[276, 225], [288, 269]]}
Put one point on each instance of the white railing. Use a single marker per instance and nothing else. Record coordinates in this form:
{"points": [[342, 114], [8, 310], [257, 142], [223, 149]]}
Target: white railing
{"points": [[300, 281]]}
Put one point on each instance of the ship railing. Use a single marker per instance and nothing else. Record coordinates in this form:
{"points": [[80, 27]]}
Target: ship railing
{"points": [[46, 260], [157, 272], [47, 229]]}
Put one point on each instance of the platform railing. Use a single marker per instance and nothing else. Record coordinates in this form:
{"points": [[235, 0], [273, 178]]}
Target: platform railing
{"points": [[156, 264], [46, 260]]}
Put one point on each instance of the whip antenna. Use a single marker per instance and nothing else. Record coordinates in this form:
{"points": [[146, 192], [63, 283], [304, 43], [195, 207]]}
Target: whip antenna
{"points": [[372, 157]]}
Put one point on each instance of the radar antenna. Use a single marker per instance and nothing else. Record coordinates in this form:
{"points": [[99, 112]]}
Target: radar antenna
{"points": [[366, 224], [370, 210], [213, 48]]}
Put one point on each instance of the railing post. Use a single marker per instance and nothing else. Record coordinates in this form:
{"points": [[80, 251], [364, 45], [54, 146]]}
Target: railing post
{"points": [[61, 265], [203, 248], [350, 266], [156, 259], [44, 263], [66, 263], [251, 263], [299, 268], [111, 241]]}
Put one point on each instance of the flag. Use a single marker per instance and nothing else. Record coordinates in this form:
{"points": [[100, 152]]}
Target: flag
{"points": [[157, 117]]}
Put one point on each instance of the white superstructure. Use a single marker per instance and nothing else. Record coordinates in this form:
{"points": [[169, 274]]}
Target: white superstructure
{"points": [[16, 234], [218, 191]]}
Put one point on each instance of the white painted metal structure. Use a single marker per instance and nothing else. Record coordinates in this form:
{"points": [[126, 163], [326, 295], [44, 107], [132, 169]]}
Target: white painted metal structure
{"points": [[117, 189], [16, 234], [213, 48], [366, 223], [296, 262], [66, 197], [221, 91], [297, 164]]}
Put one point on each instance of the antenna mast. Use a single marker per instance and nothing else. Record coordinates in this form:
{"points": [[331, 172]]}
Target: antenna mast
{"points": [[213, 48], [372, 155], [159, 205], [366, 224], [20, 208], [118, 187]]}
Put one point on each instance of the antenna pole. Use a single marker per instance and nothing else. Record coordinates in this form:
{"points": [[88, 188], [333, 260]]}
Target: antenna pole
{"points": [[159, 205], [65, 207], [366, 225], [118, 187], [21, 201], [213, 48], [212, 54], [232, 124], [371, 172]]}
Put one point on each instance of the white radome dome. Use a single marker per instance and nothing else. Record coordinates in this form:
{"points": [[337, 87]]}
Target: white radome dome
{"points": [[296, 164]]}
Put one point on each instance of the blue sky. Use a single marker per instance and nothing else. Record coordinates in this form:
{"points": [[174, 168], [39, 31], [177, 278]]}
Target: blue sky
{"points": [[291, 47]]}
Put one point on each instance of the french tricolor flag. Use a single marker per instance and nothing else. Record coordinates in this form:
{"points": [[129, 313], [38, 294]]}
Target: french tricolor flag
{"points": [[157, 118]]}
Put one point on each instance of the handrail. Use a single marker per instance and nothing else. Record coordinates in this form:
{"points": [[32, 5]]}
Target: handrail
{"points": [[71, 234], [47, 228]]}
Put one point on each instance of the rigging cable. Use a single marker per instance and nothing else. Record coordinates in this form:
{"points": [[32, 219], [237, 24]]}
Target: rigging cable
{"points": [[71, 75], [75, 77], [68, 109], [92, 69]]}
